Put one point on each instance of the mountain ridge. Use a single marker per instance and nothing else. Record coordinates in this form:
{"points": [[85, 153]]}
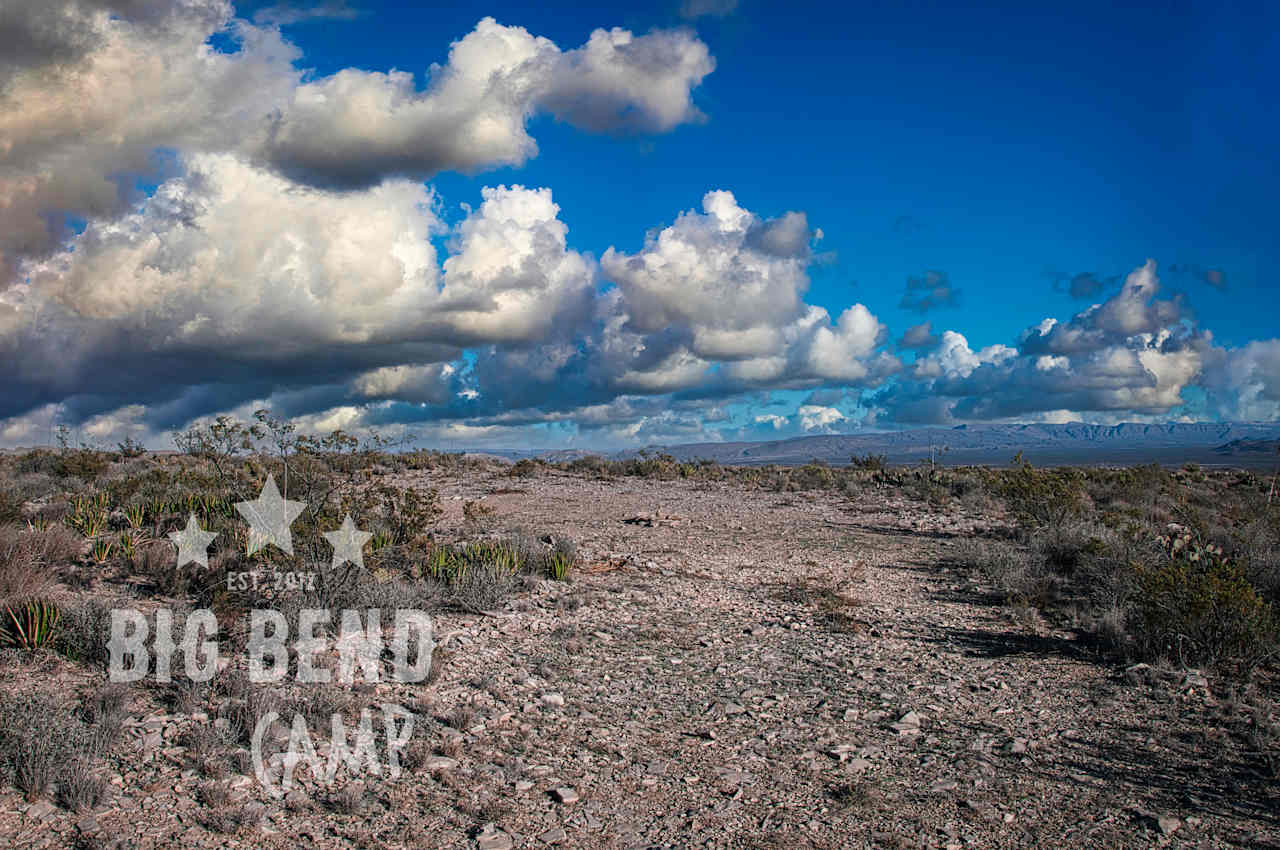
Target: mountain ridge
{"points": [[1075, 443]]}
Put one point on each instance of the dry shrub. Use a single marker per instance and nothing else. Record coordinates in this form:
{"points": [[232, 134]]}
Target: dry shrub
{"points": [[25, 569], [42, 742], [80, 786], [84, 630]]}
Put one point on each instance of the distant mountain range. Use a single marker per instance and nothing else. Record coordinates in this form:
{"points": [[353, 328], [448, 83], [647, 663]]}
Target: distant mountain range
{"points": [[1209, 444]]}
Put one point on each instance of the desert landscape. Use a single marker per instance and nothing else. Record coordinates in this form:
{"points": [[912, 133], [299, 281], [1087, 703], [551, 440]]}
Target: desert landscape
{"points": [[650, 653], [648, 425]]}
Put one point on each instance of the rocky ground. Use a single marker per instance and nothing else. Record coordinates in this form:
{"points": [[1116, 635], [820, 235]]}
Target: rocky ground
{"points": [[729, 668]]}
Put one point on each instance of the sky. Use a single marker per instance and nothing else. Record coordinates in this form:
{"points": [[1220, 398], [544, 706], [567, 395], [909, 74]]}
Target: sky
{"points": [[536, 225]]}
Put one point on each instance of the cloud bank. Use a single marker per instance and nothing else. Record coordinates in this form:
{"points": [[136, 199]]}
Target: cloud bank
{"points": [[187, 231]]}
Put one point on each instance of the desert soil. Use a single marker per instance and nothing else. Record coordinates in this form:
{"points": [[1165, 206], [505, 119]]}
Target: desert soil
{"points": [[733, 668]]}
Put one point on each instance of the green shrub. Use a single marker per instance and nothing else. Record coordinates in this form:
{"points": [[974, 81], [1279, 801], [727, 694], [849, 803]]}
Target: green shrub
{"points": [[812, 476], [525, 468], [1199, 608], [1042, 498], [131, 448], [870, 462], [85, 464]]}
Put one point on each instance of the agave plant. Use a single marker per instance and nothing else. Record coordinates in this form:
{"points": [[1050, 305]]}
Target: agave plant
{"points": [[29, 625]]}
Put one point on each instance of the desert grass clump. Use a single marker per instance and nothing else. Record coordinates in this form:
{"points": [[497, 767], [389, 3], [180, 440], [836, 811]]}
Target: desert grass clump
{"points": [[40, 740], [482, 586], [26, 570], [105, 710], [318, 704], [1014, 571], [80, 786], [243, 714], [348, 800]]}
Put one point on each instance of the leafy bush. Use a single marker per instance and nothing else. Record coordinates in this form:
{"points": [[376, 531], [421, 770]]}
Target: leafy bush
{"points": [[131, 448], [525, 468], [85, 464], [1199, 608], [10, 507], [869, 461], [1042, 498], [812, 476]]}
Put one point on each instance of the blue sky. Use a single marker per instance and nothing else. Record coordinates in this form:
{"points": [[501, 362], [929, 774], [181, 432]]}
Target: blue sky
{"points": [[997, 142], [996, 151]]}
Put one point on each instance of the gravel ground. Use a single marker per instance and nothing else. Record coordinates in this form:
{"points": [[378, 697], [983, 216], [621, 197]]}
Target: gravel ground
{"points": [[732, 668]]}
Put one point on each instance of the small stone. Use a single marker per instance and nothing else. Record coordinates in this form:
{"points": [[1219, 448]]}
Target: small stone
{"points": [[88, 824], [40, 810], [1017, 745], [734, 708], [1168, 824], [436, 763], [523, 785], [553, 836], [566, 795], [840, 752], [943, 785], [494, 840], [554, 700]]}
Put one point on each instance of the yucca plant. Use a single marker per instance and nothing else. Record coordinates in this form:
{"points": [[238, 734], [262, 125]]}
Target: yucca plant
{"points": [[381, 539], [131, 539], [38, 524], [558, 564], [101, 551], [135, 514], [90, 515], [438, 562], [29, 625]]}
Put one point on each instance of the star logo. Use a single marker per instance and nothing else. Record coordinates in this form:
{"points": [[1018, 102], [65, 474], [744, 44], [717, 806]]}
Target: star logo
{"points": [[269, 517], [347, 543], [193, 543]]}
